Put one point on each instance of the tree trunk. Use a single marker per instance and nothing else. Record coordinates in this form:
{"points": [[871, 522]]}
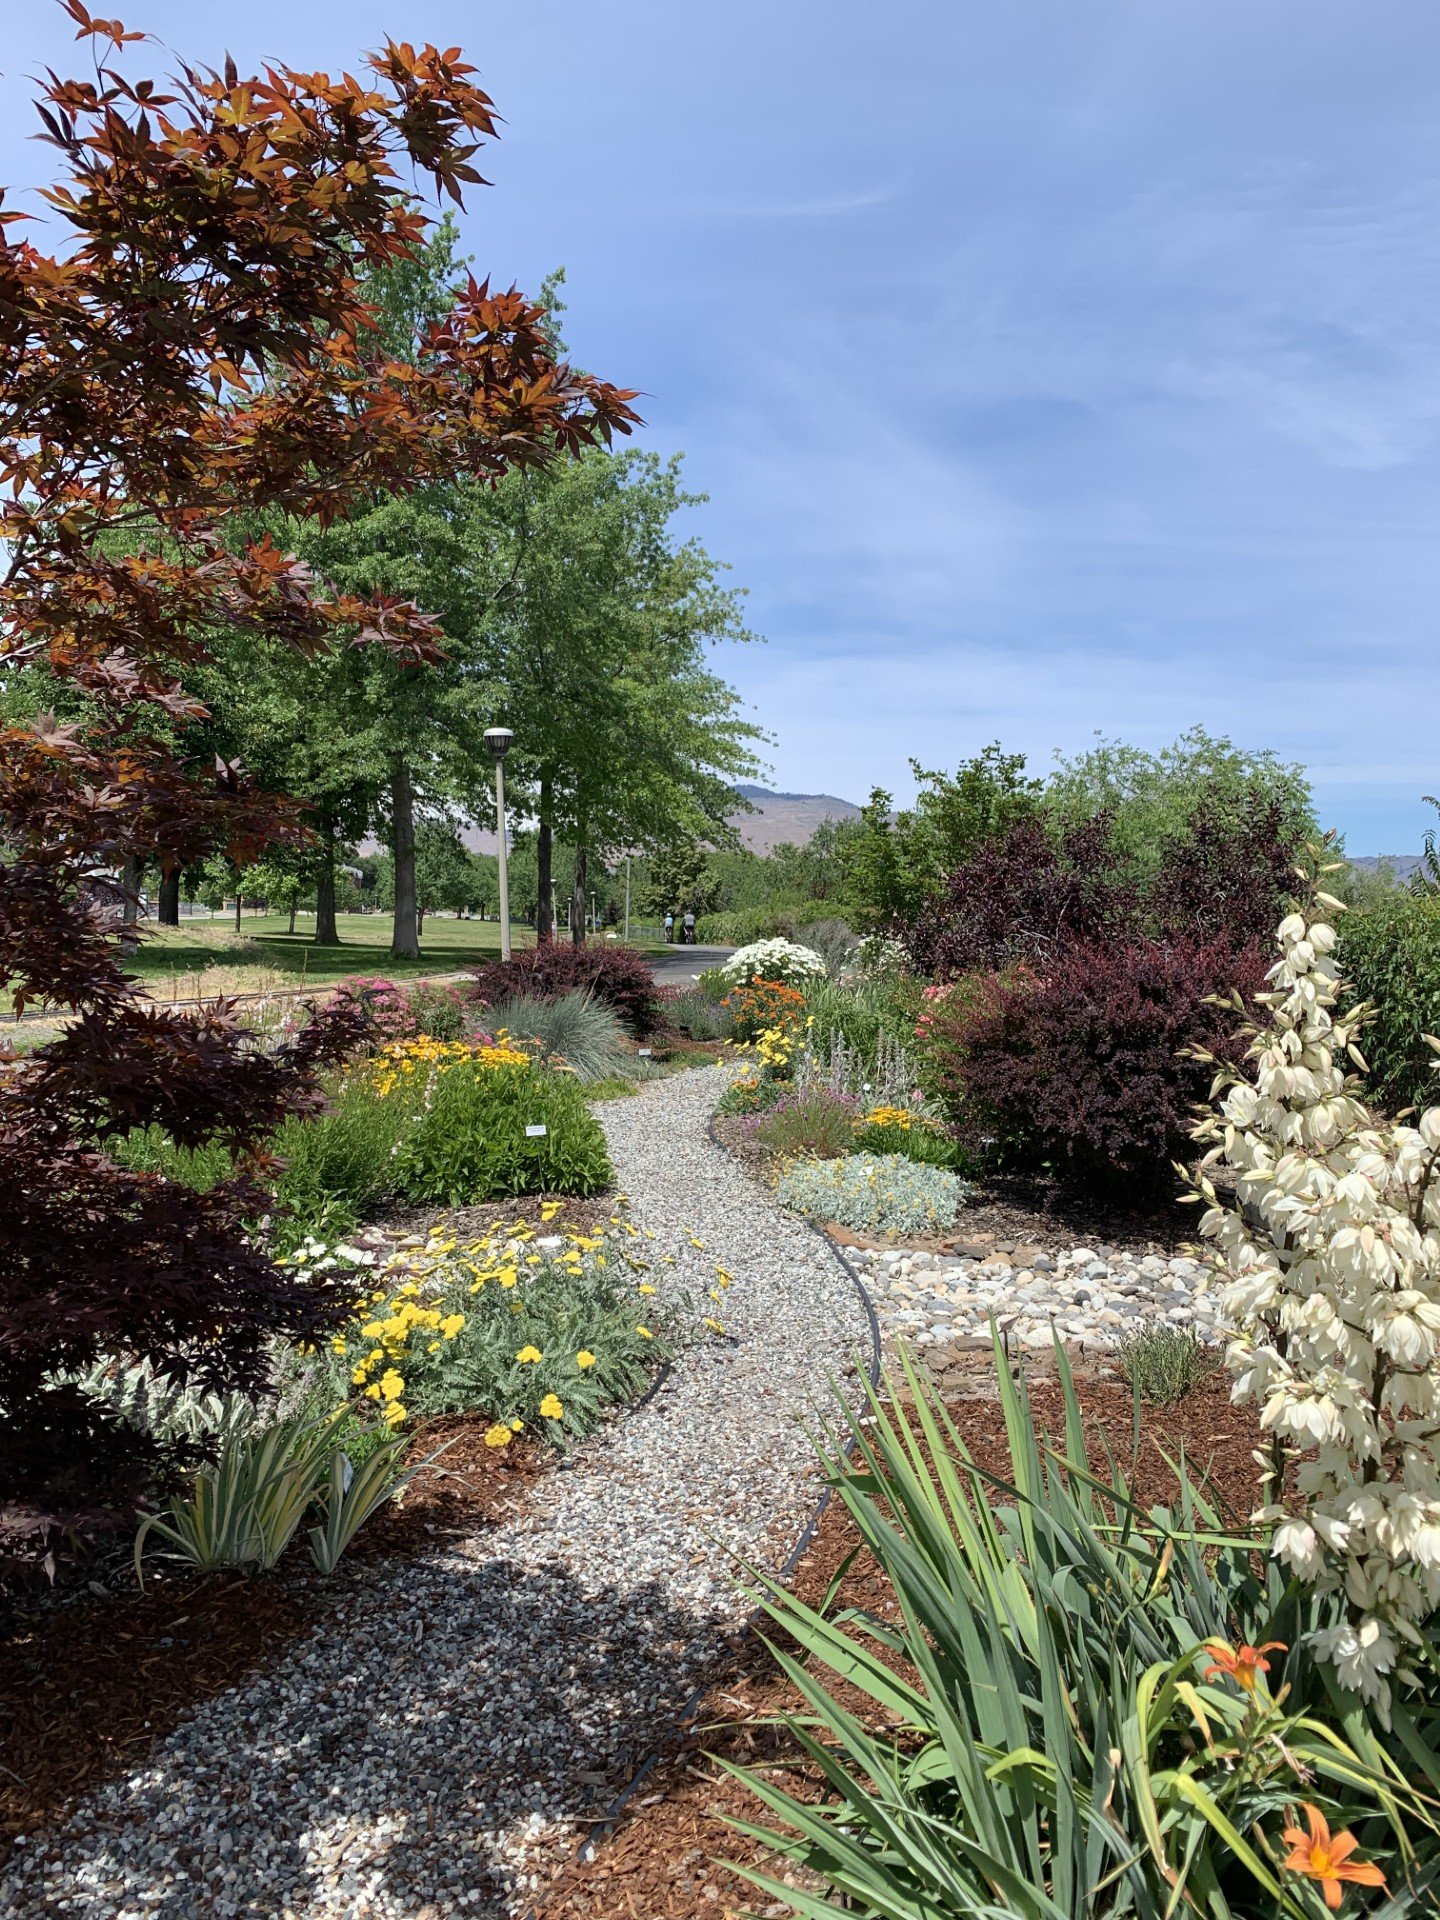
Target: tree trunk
{"points": [[419, 919], [405, 938], [544, 865], [167, 910], [130, 875], [577, 896], [237, 902], [293, 904], [327, 934]]}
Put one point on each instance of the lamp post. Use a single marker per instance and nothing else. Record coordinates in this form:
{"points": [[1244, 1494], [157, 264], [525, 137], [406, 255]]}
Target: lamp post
{"points": [[498, 739]]}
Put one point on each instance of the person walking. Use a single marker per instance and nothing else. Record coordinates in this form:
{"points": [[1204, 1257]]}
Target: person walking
{"points": [[689, 929], [669, 927]]}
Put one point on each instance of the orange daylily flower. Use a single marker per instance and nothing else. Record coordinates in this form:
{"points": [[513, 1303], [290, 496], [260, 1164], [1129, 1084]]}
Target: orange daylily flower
{"points": [[1244, 1664], [1326, 1858]]}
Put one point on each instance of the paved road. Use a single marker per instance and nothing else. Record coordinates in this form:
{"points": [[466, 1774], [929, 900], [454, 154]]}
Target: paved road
{"points": [[679, 967]]}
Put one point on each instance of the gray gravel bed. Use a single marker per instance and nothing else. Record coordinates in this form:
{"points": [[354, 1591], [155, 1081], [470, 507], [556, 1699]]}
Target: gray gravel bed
{"points": [[438, 1745]]}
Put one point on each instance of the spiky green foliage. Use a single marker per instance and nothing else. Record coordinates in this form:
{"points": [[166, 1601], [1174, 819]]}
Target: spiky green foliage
{"points": [[578, 1029], [1042, 1738]]}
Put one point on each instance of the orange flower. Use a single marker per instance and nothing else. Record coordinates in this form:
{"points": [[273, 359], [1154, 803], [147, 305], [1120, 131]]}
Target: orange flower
{"points": [[1319, 1856], [1244, 1664]]}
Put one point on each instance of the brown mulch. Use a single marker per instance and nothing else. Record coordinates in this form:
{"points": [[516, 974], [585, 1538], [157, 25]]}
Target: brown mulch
{"points": [[660, 1863], [90, 1680]]}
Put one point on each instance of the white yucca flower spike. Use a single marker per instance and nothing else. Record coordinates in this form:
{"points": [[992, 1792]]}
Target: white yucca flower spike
{"points": [[1329, 1265]]}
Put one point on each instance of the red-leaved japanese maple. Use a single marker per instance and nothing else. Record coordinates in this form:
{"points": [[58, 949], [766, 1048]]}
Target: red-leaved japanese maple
{"points": [[197, 350]]}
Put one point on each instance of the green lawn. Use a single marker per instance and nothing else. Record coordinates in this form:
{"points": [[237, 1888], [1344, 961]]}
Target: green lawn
{"points": [[207, 957], [265, 948]]}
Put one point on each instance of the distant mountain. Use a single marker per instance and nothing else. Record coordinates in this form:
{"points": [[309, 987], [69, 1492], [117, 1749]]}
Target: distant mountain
{"points": [[782, 817], [1402, 865]]}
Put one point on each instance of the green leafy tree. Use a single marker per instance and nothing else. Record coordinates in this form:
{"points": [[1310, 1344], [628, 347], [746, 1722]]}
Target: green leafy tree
{"points": [[679, 879], [1153, 799], [597, 622], [894, 862]]}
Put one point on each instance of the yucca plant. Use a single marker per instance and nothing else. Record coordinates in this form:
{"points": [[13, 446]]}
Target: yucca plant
{"points": [[1066, 1718], [245, 1509], [354, 1493]]}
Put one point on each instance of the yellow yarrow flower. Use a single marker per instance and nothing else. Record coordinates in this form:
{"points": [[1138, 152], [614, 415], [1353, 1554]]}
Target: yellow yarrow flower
{"points": [[497, 1436], [528, 1356], [645, 1333], [551, 1409], [584, 1359]]}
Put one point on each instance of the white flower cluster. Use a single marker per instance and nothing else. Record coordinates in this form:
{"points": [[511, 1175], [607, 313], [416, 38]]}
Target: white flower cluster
{"points": [[774, 960], [1330, 1263]]}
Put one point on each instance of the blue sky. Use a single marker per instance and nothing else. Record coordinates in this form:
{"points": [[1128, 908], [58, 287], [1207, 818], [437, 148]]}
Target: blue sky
{"points": [[1052, 369]]}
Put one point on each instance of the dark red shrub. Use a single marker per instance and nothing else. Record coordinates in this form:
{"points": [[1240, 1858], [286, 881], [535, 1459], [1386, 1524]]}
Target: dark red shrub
{"points": [[1023, 898], [612, 973], [1229, 873], [1081, 1069]]}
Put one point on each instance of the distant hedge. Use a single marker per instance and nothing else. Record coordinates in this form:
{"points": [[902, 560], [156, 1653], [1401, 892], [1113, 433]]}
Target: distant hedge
{"points": [[1390, 953]]}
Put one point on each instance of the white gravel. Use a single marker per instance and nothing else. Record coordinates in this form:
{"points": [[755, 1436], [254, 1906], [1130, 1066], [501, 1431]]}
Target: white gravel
{"points": [[1089, 1296], [439, 1743]]}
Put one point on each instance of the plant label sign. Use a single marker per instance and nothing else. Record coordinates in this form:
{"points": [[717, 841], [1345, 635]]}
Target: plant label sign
{"points": [[535, 1133], [642, 1053]]}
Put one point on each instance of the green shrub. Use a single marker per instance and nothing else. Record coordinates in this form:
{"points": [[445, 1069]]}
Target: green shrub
{"points": [[751, 1093], [578, 1029], [698, 1015], [1163, 1363], [470, 1143], [463, 1332], [437, 1010], [340, 1166], [712, 984], [151, 1150], [864, 1015], [1390, 953], [1051, 1736], [870, 1194], [913, 1137]]}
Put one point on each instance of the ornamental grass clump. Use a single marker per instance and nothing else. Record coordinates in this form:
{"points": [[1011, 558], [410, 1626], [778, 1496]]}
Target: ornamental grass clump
{"points": [[806, 1121], [1329, 1260], [874, 1194]]}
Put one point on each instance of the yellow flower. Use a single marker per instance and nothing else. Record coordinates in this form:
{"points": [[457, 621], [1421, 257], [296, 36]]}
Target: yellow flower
{"points": [[551, 1409], [697, 1243], [645, 1333], [549, 1208], [392, 1384], [584, 1359], [358, 1377], [516, 1425], [497, 1436], [395, 1413], [529, 1355], [645, 1287], [372, 1392], [714, 1326], [374, 1331], [451, 1325], [508, 1278]]}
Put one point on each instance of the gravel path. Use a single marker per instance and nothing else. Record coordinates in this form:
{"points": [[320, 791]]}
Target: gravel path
{"points": [[435, 1747]]}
